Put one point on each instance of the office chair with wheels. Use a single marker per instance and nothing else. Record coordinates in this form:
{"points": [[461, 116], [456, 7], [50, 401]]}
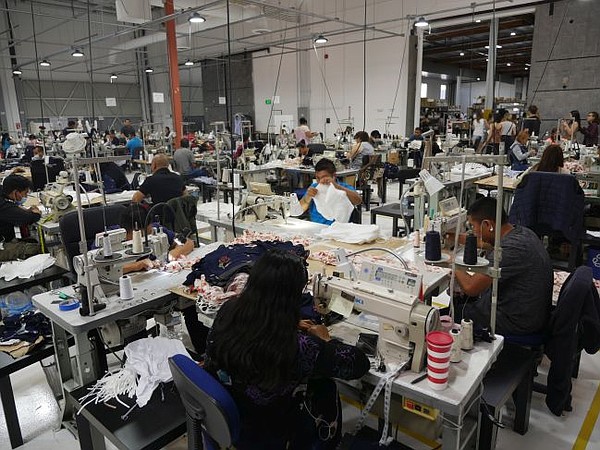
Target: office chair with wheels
{"points": [[213, 420]]}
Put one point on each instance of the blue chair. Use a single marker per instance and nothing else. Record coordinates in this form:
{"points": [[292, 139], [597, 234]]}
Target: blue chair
{"points": [[213, 420]]}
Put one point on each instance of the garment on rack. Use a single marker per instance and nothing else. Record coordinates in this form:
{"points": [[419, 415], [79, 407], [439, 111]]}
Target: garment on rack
{"points": [[221, 265]]}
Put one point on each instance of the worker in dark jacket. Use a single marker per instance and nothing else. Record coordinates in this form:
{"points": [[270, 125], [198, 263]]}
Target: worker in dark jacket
{"points": [[12, 214]]}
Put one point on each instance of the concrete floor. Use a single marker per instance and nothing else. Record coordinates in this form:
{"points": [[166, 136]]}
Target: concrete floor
{"points": [[39, 413]]}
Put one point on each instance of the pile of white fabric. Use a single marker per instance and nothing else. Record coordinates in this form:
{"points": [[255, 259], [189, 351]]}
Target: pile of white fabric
{"points": [[146, 367], [26, 268], [351, 233], [332, 203]]}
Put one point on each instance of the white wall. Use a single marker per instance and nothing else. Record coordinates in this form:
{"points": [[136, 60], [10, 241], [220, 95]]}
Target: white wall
{"points": [[471, 91]]}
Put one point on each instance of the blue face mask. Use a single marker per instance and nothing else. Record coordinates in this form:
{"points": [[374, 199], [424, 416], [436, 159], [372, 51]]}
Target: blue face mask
{"points": [[21, 202]]}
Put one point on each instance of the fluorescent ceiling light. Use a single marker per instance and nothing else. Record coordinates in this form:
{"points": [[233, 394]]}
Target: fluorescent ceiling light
{"points": [[512, 33], [189, 63], [196, 18], [508, 64], [478, 21], [478, 79], [149, 70], [77, 53], [320, 39], [114, 76], [17, 71], [462, 53], [497, 46], [45, 63], [421, 22]]}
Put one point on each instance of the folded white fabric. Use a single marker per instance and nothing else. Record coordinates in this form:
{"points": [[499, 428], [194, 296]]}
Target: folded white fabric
{"points": [[332, 203], [149, 359], [26, 268], [351, 233]]}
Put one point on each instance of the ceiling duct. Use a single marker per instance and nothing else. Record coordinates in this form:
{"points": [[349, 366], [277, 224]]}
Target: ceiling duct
{"points": [[134, 11]]}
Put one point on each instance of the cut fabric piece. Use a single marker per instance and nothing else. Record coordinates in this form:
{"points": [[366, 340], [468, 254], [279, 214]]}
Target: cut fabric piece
{"points": [[332, 203], [351, 233], [27, 268]]}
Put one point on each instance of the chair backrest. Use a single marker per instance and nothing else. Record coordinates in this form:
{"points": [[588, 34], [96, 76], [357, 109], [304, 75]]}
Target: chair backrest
{"points": [[93, 219], [206, 401], [38, 171]]}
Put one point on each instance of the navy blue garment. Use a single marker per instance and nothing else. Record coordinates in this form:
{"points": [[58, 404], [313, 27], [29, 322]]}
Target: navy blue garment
{"points": [[547, 202], [226, 261], [574, 325]]}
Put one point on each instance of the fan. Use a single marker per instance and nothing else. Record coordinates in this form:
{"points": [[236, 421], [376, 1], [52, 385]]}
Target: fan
{"points": [[74, 143]]}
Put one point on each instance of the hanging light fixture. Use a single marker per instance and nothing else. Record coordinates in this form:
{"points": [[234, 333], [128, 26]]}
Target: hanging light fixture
{"points": [[320, 39], [77, 53], [421, 22], [149, 70], [196, 18], [45, 63], [189, 62], [17, 71], [113, 76]]}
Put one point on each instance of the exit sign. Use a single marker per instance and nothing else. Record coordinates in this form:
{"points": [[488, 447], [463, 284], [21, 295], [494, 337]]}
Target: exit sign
{"points": [[267, 101]]}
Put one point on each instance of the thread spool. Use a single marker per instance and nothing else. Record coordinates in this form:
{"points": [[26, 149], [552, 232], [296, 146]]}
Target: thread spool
{"points": [[417, 239], [470, 254], [295, 207], [125, 288], [138, 246], [433, 246], [106, 246], [456, 352], [466, 334]]}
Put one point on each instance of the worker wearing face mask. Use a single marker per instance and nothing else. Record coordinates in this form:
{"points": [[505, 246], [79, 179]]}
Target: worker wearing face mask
{"points": [[13, 214]]}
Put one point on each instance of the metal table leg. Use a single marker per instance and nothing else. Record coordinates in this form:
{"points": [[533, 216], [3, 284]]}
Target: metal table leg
{"points": [[10, 412]]}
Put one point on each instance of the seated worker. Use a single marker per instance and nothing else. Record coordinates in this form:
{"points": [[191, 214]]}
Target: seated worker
{"points": [[114, 178], [362, 147], [38, 153], [325, 175], [525, 288], [137, 214], [552, 160], [416, 136], [518, 152], [261, 351], [375, 137], [135, 145], [163, 185], [12, 214], [183, 161]]}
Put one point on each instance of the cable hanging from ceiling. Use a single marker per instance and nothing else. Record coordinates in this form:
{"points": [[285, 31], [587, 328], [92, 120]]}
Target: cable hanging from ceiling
{"points": [[276, 87]]}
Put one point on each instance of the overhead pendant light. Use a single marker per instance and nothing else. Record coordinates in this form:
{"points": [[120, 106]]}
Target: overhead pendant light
{"points": [[320, 39], [478, 21], [508, 64], [77, 53], [196, 18], [487, 47], [512, 33], [189, 62], [149, 70], [113, 76], [45, 63], [462, 53], [421, 22], [17, 71]]}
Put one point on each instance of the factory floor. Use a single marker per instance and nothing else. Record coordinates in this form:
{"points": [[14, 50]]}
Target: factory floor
{"points": [[39, 414]]}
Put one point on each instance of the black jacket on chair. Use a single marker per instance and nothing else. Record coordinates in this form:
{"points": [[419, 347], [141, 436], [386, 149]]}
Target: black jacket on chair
{"points": [[546, 202], [574, 325]]}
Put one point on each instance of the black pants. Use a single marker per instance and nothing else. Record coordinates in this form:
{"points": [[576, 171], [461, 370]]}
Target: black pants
{"points": [[197, 331]]}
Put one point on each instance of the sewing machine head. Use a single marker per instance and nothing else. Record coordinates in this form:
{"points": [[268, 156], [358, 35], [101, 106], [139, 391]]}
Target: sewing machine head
{"points": [[52, 197], [390, 294]]}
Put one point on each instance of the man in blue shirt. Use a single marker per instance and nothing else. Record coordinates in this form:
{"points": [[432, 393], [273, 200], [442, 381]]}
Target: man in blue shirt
{"points": [[136, 148], [325, 174]]}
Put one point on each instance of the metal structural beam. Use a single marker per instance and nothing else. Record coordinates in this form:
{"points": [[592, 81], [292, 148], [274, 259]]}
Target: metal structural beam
{"points": [[174, 70]]}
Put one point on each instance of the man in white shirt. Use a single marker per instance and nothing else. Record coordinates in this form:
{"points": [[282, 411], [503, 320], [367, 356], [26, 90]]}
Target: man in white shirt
{"points": [[302, 132]]}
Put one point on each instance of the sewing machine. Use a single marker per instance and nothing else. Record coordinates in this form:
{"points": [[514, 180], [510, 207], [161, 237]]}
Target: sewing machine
{"points": [[392, 295], [260, 198], [106, 264], [53, 198]]}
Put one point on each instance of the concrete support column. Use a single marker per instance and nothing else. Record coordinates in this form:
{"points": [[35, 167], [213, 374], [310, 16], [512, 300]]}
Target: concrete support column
{"points": [[418, 77], [10, 112], [491, 65]]}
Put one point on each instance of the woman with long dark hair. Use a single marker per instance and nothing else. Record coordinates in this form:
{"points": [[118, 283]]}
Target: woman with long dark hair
{"points": [[261, 351], [572, 126], [552, 160]]}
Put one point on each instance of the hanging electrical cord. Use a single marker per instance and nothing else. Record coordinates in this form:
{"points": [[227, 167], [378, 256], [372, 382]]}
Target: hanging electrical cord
{"points": [[399, 77], [229, 108], [365, 68], [562, 21], [37, 71], [276, 83], [337, 118]]}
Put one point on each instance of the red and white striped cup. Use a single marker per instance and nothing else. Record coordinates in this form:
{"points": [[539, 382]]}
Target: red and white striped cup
{"points": [[439, 345]]}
